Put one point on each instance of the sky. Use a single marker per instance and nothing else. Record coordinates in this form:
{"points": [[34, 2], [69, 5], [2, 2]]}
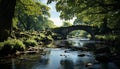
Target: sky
{"points": [[54, 14]]}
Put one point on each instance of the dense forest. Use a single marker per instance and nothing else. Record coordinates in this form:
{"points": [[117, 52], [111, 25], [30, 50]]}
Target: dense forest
{"points": [[23, 22], [23, 15]]}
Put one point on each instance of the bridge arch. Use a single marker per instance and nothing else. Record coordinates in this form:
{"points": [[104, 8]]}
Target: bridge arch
{"points": [[64, 31], [67, 31]]}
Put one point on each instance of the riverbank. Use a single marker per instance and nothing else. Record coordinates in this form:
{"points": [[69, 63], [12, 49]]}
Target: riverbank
{"points": [[25, 42]]}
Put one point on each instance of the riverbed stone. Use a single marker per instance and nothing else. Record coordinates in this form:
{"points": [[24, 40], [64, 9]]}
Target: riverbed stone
{"points": [[102, 50], [103, 58], [81, 55]]}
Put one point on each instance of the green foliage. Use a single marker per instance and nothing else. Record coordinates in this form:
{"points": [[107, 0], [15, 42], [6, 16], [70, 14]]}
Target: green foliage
{"points": [[24, 40], [37, 38], [1, 45], [15, 21], [78, 22], [50, 37], [66, 24], [42, 35], [30, 42], [19, 45], [11, 46], [91, 12], [79, 33], [32, 15], [28, 7], [107, 37], [15, 44], [24, 34]]}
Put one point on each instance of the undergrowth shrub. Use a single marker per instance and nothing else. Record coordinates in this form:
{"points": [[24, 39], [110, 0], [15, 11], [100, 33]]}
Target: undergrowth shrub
{"points": [[1, 45], [30, 42], [11, 46]]}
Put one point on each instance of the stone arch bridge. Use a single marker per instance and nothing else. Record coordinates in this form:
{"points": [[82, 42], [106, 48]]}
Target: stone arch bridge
{"points": [[64, 31], [92, 30]]}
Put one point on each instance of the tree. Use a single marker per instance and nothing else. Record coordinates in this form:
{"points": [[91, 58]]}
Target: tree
{"points": [[79, 22], [7, 8], [6, 15], [33, 15], [66, 24], [45, 24], [89, 11], [29, 13]]}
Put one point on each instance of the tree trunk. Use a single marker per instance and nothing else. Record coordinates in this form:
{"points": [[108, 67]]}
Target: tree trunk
{"points": [[6, 13]]}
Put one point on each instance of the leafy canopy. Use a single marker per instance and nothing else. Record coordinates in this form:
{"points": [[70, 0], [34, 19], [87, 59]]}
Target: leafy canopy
{"points": [[90, 11], [32, 15]]}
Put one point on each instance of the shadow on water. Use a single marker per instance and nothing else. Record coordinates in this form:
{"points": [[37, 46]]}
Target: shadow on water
{"points": [[61, 58], [66, 64]]}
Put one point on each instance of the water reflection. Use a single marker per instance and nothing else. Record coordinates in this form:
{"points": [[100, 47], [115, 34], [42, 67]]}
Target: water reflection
{"points": [[66, 64], [13, 64], [44, 60]]}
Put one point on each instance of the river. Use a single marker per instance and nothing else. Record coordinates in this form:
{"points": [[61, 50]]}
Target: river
{"points": [[59, 58]]}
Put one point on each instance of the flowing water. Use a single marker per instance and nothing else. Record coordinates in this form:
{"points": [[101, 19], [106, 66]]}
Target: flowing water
{"points": [[58, 58]]}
